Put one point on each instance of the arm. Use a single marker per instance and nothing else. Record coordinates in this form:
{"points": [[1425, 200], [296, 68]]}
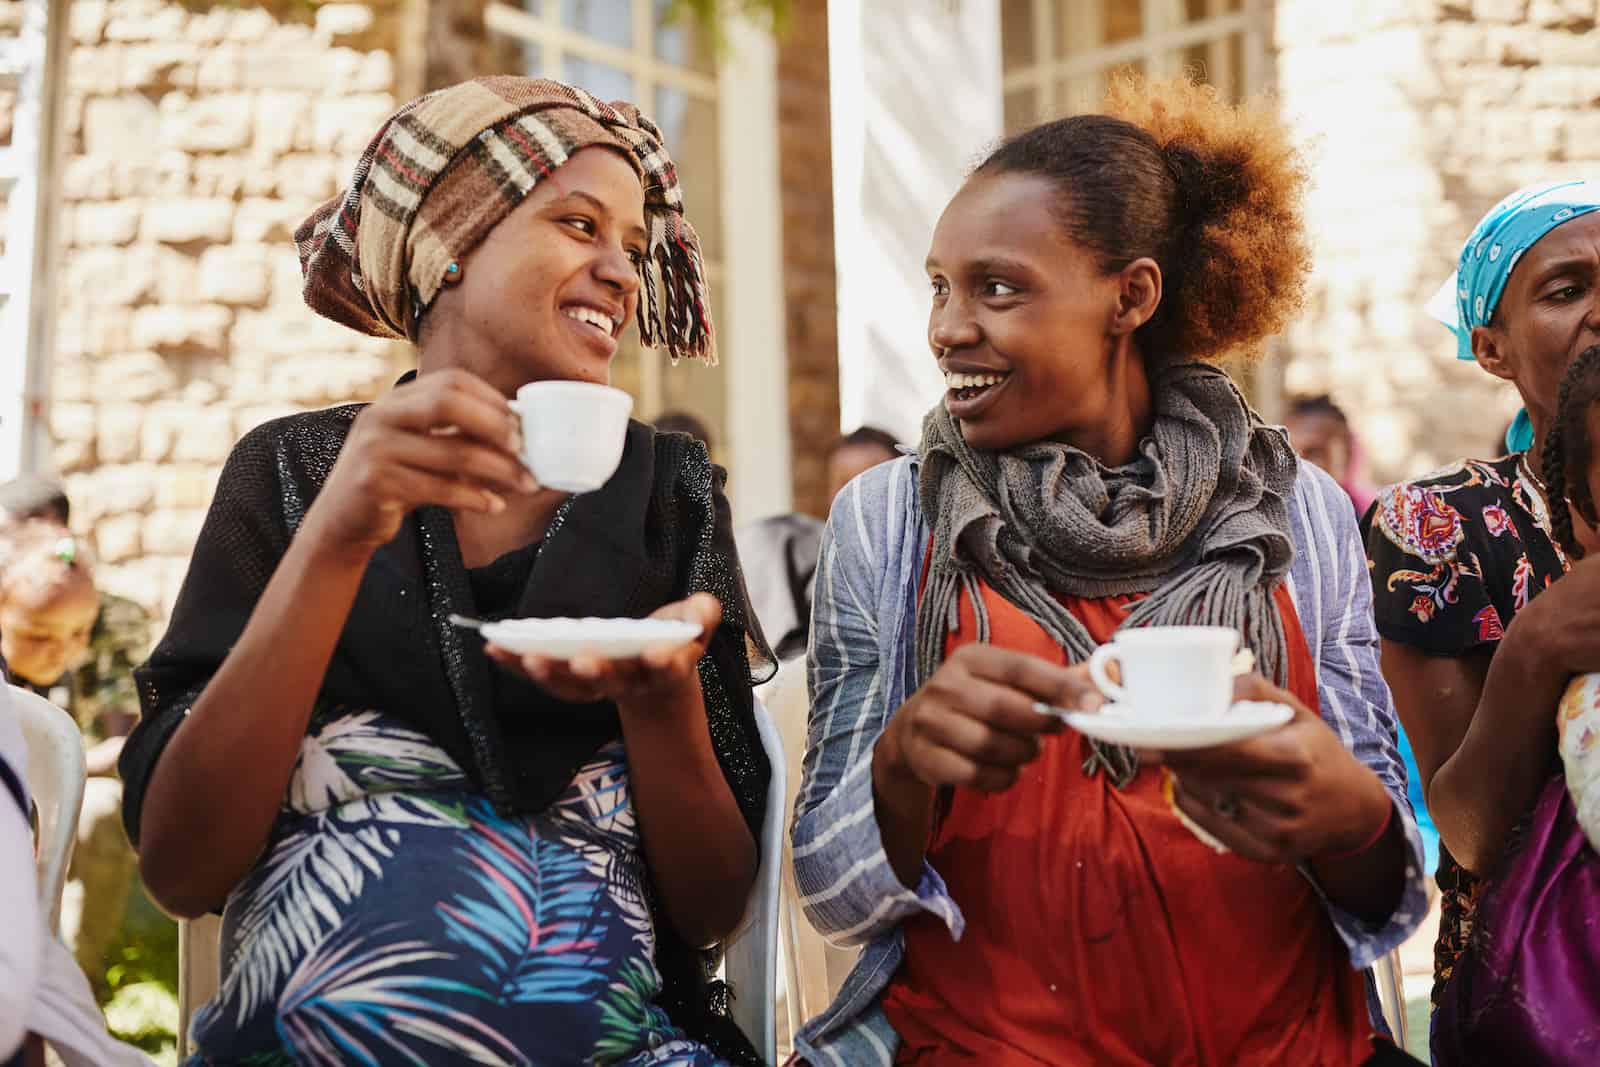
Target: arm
{"points": [[849, 889], [208, 806], [1479, 720]]}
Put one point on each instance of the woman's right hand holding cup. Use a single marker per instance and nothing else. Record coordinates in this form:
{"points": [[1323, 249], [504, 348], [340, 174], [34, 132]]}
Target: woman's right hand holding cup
{"points": [[976, 723], [980, 719], [447, 439]]}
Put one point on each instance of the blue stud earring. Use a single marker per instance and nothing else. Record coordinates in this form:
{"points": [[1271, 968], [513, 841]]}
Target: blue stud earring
{"points": [[452, 272]]}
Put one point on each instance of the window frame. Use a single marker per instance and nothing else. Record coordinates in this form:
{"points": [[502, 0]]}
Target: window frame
{"points": [[748, 272]]}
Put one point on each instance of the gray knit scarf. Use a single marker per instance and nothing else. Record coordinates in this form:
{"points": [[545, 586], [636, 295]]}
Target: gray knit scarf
{"points": [[1198, 520]]}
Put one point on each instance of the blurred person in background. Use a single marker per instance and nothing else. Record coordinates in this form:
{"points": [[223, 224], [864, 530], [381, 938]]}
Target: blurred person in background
{"points": [[780, 552], [683, 422], [49, 609], [857, 451], [1320, 433]]}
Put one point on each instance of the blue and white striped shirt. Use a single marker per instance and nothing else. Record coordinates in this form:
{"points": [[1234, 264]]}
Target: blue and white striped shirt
{"points": [[862, 667]]}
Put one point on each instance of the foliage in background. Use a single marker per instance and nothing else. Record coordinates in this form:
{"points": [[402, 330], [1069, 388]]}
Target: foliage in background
{"points": [[141, 981]]}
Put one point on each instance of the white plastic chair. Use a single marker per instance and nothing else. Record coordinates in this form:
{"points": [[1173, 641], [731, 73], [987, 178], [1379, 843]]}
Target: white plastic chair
{"points": [[56, 773], [750, 963], [1387, 976]]}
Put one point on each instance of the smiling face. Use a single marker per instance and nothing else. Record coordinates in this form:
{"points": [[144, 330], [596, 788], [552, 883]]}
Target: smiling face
{"points": [[1024, 324], [44, 628], [548, 293], [1548, 313]]}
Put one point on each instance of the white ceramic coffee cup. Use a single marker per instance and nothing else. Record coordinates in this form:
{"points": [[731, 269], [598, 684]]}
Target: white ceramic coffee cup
{"points": [[1169, 671], [572, 432]]}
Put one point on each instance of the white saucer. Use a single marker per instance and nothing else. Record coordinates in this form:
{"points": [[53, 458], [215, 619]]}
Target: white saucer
{"points": [[608, 638], [1116, 724]]}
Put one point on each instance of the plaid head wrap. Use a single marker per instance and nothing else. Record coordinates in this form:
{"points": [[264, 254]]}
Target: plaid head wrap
{"points": [[447, 167]]}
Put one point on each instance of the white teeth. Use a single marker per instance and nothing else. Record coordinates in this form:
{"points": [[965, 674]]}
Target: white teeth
{"points": [[972, 381], [598, 319]]}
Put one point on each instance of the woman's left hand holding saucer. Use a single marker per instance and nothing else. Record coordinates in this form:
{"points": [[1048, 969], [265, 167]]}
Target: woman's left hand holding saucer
{"points": [[639, 681], [1286, 796]]}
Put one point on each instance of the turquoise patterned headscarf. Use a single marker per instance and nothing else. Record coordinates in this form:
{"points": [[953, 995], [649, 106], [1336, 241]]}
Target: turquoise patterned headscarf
{"points": [[1470, 295]]}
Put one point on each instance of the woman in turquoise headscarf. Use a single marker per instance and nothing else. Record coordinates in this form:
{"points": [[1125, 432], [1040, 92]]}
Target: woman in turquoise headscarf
{"points": [[1475, 649]]}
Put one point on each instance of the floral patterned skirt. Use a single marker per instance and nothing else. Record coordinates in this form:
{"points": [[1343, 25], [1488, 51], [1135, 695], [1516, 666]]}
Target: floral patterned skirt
{"points": [[396, 918]]}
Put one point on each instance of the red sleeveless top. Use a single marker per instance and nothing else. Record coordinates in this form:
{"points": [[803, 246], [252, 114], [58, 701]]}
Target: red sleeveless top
{"points": [[1101, 932]]}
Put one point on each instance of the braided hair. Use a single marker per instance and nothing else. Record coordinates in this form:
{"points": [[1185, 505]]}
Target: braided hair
{"points": [[1568, 451]]}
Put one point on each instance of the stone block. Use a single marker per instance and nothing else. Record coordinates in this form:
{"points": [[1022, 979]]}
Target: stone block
{"points": [[346, 124], [263, 221], [162, 24], [329, 377], [375, 75], [1574, 15], [229, 176], [109, 222], [282, 331], [156, 67], [207, 436], [125, 127], [283, 122], [163, 424], [116, 432], [209, 123], [219, 69], [177, 277], [1546, 86], [88, 21], [201, 328], [117, 538], [172, 533], [1582, 136], [185, 485], [307, 178], [133, 376], [208, 27], [189, 219], [95, 69], [109, 276], [87, 177], [247, 419], [250, 25], [69, 457], [236, 274], [1500, 10], [343, 20], [199, 392]]}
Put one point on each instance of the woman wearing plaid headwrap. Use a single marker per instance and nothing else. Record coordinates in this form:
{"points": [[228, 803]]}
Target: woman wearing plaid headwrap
{"points": [[424, 855]]}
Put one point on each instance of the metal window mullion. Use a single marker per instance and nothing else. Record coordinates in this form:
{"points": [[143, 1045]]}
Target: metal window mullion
{"points": [[504, 19], [1142, 47]]}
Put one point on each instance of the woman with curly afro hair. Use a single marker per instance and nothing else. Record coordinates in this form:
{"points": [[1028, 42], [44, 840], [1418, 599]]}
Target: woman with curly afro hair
{"points": [[1027, 894]]}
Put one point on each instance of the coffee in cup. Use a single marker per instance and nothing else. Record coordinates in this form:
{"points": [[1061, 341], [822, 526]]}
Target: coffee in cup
{"points": [[1169, 671]]}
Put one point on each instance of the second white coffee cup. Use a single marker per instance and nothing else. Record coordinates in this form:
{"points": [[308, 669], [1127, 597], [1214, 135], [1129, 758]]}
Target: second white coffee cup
{"points": [[573, 433], [1169, 671]]}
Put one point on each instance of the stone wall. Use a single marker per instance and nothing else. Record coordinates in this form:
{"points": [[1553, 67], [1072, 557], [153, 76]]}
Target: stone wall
{"points": [[1420, 115], [805, 175], [196, 140]]}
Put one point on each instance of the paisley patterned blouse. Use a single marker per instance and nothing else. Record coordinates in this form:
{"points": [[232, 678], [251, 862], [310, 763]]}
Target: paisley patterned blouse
{"points": [[1454, 556]]}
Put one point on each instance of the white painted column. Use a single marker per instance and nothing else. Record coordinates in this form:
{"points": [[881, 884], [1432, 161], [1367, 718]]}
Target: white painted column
{"points": [[915, 99], [752, 323]]}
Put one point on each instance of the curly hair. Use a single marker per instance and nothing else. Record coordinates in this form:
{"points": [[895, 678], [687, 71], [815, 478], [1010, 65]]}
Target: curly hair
{"points": [[1568, 452], [1210, 191]]}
